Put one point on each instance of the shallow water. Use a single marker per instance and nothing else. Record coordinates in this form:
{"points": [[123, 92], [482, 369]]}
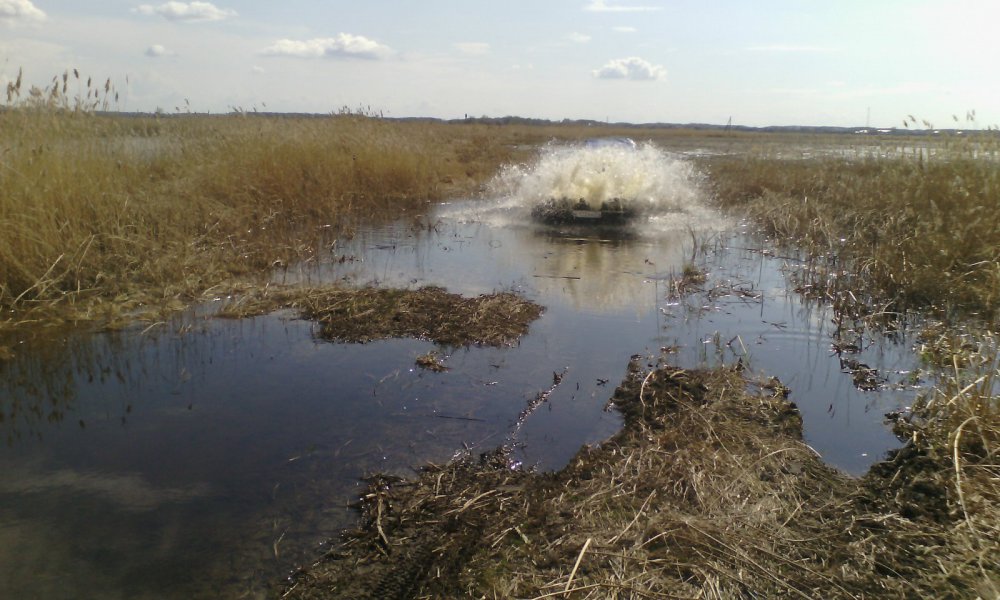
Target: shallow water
{"points": [[206, 457]]}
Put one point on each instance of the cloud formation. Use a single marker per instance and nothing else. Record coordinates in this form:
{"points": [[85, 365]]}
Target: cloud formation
{"points": [[156, 50], [344, 45], [20, 11], [602, 6], [579, 38], [633, 68], [186, 11]]}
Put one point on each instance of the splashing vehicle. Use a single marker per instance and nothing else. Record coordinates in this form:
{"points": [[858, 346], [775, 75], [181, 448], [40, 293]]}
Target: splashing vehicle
{"points": [[596, 200]]}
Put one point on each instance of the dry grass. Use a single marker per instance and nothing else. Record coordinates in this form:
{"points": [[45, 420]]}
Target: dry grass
{"points": [[200, 201], [707, 492], [103, 213], [885, 236], [906, 232], [949, 469]]}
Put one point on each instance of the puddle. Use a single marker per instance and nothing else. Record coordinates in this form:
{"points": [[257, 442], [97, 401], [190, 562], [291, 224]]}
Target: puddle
{"points": [[207, 457]]}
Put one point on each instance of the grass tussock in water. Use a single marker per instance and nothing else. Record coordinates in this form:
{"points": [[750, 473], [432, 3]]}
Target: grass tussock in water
{"points": [[948, 469], [708, 491], [366, 314], [909, 233]]}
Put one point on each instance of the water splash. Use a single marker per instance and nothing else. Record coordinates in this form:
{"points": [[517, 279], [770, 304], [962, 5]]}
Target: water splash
{"points": [[645, 175], [666, 189]]}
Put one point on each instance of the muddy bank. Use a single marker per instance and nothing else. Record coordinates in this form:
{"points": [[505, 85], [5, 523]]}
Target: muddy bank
{"points": [[707, 491]]}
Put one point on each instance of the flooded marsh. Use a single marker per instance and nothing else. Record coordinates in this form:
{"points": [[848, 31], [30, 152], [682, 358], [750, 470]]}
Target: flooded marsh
{"points": [[198, 456]]}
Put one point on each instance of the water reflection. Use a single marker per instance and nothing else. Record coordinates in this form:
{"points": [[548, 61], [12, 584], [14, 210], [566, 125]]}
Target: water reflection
{"points": [[602, 273]]}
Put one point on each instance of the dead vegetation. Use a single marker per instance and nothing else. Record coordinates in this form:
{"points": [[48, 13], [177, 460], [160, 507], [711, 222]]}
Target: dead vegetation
{"points": [[900, 232], [708, 491], [366, 314]]}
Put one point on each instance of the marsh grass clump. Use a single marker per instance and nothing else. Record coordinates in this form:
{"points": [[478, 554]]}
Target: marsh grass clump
{"points": [[944, 483], [707, 491], [671, 506], [367, 314], [431, 362]]}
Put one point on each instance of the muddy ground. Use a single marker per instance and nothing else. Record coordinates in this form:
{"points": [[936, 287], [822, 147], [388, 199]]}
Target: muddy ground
{"points": [[708, 491]]}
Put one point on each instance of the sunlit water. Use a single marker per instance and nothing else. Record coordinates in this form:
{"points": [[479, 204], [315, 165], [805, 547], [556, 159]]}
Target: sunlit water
{"points": [[207, 458]]}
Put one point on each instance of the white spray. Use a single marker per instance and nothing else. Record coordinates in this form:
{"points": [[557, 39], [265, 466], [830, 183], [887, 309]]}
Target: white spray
{"points": [[666, 189], [646, 176]]}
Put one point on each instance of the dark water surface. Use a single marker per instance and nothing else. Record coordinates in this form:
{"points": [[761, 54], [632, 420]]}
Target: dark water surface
{"points": [[206, 457]]}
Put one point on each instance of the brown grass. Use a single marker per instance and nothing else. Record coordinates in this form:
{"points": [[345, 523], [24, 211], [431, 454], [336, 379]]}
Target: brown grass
{"points": [[87, 219], [103, 213], [908, 233], [708, 492]]}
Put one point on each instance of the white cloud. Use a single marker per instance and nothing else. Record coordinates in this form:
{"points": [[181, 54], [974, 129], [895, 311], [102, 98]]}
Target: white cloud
{"points": [[473, 48], [186, 11], [602, 6], [344, 45], [624, 29], [633, 68], [19, 11], [156, 50], [579, 38]]}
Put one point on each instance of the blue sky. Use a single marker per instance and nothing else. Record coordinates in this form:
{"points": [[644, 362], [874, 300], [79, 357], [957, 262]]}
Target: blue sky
{"points": [[769, 62]]}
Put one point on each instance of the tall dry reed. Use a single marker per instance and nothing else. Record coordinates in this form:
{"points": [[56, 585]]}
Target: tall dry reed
{"points": [[916, 232], [105, 209]]}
